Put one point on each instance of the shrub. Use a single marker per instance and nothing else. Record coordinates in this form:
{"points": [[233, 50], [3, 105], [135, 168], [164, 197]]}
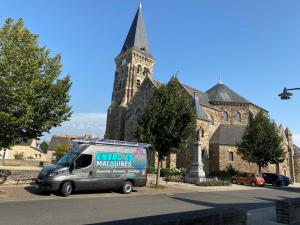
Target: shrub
{"points": [[151, 170], [213, 183], [19, 156], [164, 172], [229, 172]]}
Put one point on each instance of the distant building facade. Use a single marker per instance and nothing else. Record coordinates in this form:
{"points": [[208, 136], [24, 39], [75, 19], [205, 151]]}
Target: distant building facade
{"points": [[222, 114], [29, 150], [61, 140]]}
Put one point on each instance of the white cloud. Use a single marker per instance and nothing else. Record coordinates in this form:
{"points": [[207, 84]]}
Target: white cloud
{"points": [[296, 139], [81, 124]]}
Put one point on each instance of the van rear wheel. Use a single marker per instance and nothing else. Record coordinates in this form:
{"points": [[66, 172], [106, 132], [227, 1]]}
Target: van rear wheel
{"points": [[127, 187], [66, 189]]}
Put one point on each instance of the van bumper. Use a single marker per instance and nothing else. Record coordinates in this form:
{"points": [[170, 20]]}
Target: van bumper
{"points": [[140, 182], [47, 186]]}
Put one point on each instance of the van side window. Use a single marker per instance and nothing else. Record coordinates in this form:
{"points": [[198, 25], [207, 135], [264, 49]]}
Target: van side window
{"points": [[82, 161]]}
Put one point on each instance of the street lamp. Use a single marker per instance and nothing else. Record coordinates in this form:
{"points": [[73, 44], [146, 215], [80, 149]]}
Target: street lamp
{"points": [[285, 95]]}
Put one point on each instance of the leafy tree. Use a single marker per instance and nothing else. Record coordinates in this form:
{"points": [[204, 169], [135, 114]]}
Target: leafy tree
{"points": [[168, 122], [261, 143], [44, 146], [33, 99], [61, 150]]}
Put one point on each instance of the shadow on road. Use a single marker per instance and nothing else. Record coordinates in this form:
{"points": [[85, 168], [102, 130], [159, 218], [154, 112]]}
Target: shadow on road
{"points": [[245, 206], [34, 191], [285, 188], [204, 216]]}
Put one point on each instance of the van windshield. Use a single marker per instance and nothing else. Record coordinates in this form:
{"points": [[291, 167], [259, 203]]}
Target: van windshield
{"points": [[69, 158]]}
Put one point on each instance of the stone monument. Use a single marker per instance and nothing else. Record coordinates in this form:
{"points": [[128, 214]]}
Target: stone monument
{"points": [[196, 173]]}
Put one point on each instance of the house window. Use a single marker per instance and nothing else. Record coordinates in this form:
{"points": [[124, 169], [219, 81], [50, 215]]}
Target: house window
{"points": [[230, 156], [225, 116], [212, 120], [238, 117]]}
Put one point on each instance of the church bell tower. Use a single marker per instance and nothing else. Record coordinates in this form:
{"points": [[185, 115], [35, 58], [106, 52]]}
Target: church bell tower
{"points": [[133, 64]]}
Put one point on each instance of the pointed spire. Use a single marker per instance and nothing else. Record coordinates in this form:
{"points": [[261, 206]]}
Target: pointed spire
{"points": [[220, 80], [137, 36]]}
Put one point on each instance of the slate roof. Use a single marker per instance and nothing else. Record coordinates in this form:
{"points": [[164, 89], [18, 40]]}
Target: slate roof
{"points": [[228, 134], [203, 97], [199, 99], [59, 140], [199, 110], [222, 93], [137, 37]]}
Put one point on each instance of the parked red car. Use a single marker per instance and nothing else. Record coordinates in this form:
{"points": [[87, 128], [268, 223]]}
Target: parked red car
{"points": [[250, 179]]}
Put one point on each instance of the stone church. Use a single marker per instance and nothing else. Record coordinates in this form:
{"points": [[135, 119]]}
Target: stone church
{"points": [[222, 114]]}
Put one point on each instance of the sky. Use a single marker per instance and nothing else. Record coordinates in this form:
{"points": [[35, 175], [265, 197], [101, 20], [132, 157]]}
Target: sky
{"points": [[253, 45]]}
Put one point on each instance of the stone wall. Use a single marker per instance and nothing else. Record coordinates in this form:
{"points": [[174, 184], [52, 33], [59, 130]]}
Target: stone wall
{"points": [[220, 161], [297, 168], [136, 108], [21, 176], [15, 162]]}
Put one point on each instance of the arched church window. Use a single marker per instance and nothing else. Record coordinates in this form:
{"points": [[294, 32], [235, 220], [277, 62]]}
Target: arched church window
{"points": [[120, 85], [238, 117], [138, 84], [251, 117], [139, 69], [225, 116], [143, 49], [146, 71], [212, 120]]}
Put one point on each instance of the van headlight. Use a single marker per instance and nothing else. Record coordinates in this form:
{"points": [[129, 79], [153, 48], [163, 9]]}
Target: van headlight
{"points": [[55, 173]]}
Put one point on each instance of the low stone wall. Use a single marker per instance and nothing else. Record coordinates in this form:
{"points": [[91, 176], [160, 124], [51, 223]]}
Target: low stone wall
{"points": [[215, 216], [288, 211], [15, 162], [21, 177], [151, 179]]}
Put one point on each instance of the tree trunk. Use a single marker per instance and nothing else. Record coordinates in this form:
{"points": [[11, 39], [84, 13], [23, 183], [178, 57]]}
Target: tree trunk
{"points": [[259, 169], [277, 168], [158, 171]]}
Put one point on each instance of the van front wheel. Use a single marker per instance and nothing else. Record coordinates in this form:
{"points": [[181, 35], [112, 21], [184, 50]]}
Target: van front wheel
{"points": [[127, 187], [66, 189]]}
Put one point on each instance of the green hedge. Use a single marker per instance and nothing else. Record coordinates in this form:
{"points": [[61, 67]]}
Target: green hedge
{"points": [[229, 172], [213, 183]]}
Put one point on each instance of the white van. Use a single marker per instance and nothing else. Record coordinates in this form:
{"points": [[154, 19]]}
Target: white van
{"points": [[95, 164]]}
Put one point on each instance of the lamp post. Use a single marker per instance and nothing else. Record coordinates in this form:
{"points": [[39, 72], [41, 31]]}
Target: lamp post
{"points": [[285, 95]]}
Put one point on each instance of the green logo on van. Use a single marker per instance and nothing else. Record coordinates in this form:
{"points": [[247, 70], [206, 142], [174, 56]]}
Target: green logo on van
{"points": [[120, 160]]}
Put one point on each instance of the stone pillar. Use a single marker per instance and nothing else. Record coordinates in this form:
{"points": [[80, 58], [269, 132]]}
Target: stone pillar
{"points": [[196, 173]]}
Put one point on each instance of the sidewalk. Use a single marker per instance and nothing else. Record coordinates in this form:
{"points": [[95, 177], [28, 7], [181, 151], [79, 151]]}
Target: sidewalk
{"points": [[263, 216]]}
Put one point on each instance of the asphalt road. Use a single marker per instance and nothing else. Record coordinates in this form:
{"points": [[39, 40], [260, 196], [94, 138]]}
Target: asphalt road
{"points": [[100, 209]]}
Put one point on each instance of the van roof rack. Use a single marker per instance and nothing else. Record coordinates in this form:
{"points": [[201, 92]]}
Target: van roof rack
{"points": [[109, 142]]}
